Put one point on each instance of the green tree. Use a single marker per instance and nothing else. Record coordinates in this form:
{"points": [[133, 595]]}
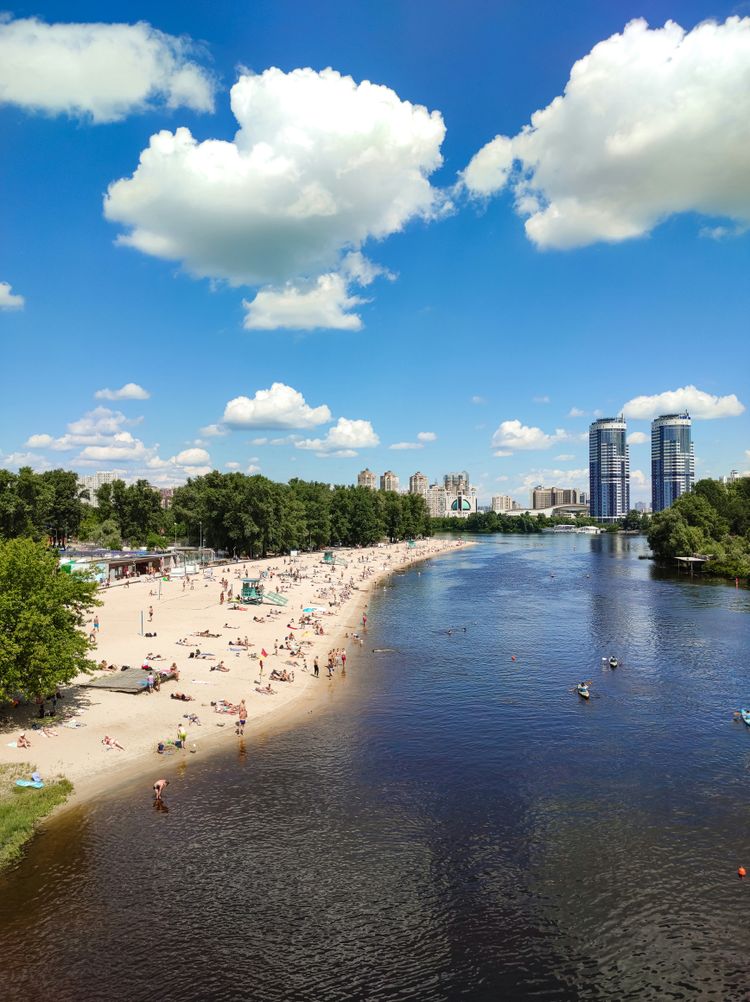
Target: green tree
{"points": [[42, 612]]}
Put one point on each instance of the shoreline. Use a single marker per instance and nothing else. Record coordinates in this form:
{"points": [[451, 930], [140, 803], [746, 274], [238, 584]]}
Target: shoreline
{"points": [[140, 720]]}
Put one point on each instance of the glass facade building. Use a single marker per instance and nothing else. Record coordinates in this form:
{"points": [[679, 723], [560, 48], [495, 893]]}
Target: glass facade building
{"points": [[609, 470], [672, 461]]}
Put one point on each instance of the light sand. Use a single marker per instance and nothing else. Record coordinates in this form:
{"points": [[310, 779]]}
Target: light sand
{"points": [[139, 721]]}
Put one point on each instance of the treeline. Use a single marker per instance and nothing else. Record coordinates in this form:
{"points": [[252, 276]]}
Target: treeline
{"points": [[246, 515], [254, 515], [713, 520]]}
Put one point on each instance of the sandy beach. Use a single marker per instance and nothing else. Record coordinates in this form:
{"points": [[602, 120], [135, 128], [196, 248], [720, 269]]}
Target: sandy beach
{"points": [[181, 611]]}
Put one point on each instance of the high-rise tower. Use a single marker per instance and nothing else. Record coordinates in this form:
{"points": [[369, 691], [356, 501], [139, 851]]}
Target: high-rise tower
{"points": [[609, 469], [672, 462]]}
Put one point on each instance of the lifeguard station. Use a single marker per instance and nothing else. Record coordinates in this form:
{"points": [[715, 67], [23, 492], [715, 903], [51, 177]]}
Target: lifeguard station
{"points": [[254, 593], [332, 561]]}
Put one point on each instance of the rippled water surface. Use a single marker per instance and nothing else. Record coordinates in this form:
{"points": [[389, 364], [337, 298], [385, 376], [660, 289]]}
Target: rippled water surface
{"points": [[454, 825]]}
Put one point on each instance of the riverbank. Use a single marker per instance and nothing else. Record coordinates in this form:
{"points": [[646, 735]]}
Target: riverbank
{"points": [[324, 610]]}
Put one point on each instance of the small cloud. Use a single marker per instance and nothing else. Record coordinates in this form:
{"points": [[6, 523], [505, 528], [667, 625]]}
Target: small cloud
{"points": [[637, 438], [232, 465], [541, 400], [478, 400], [280, 406], [426, 436], [258, 441], [252, 468], [130, 391], [406, 445], [501, 453], [514, 435], [213, 430], [576, 412], [8, 299], [345, 436], [38, 441]]}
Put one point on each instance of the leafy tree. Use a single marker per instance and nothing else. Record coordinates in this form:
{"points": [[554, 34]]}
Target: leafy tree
{"points": [[42, 611]]}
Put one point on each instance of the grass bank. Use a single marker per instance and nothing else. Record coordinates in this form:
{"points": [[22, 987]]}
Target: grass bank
{"points": [[21, 809]]}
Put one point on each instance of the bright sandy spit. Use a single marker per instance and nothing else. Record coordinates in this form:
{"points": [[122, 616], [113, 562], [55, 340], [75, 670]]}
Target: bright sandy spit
{"points": [[139, 722]]}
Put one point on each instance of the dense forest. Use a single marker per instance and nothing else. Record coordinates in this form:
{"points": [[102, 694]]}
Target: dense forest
{"points": [[714, 521], [491, 521], [246, 515]]}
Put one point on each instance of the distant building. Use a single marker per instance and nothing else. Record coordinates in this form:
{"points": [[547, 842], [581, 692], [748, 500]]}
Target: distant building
{"points": [[366, 478], [456, 481], [93, 481], [461, 504], [389, 481], [609, 469], [167, 493], [437, 500], [583, 497], [642, 507], [418, 484], [672, 461], [547, 497], [503, 502]]}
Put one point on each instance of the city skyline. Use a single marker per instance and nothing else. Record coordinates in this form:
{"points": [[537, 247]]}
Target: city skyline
{"points": [[135, 342]]}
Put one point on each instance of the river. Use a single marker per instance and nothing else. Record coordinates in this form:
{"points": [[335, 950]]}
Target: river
{"points": [[453, 824]]}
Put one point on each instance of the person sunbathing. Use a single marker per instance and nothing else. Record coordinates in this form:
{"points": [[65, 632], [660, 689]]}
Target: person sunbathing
{"points": [[182, 696], [111, 743], [265, 690], [154, 657], [23, 741], [219, 667]]}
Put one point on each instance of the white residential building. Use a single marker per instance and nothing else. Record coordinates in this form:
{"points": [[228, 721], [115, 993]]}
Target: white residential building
{"points": [[93, 481]]}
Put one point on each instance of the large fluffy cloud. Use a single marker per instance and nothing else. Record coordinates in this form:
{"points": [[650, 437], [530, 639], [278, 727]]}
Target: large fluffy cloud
{"points": [[343, 439], [281, 406], [105, 71], [651, 123], [319, 165], [514, 436], [697, 403], [10, 300]]}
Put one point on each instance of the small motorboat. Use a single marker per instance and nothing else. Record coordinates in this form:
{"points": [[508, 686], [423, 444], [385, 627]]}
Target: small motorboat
{"points": [[745, 714], [583, 690], [613, 662]]}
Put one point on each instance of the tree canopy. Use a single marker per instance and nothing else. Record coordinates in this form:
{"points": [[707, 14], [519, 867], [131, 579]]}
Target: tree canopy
{"points": [[713, 521], [42, 610]]}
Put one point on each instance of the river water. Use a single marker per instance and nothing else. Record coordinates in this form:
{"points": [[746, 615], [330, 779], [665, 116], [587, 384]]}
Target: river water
{"points": [[454, 824]]}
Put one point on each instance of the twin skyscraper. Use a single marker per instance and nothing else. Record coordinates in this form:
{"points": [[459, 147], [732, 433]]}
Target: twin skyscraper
{"points": [[672, 464]]}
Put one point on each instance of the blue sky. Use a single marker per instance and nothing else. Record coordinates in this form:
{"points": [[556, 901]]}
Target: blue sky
{"points": [[431, 307]]}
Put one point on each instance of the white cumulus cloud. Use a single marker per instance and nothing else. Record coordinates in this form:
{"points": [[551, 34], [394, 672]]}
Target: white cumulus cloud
{"points": [[515, 436], [101, 71], [343, 438], [281, 406], [426, 436], [325, 302], [637, 438], [130, 391], [406, 445], [38, 441], [697, 403], [576, 412], [319, 165], [10, 300], [652, 122]]}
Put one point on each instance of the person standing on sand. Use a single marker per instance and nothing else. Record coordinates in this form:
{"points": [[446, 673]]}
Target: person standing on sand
{"points": [[316, 667], [159, 786], [96, 623], [241, 717], [182, 735], [150, 613]]}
